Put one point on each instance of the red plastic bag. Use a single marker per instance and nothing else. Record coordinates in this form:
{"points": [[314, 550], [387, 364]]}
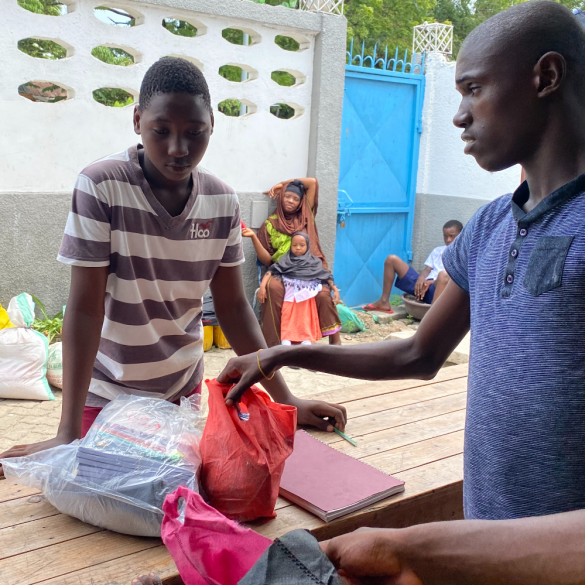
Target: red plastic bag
{"points": [[208, 548], [243, 460]]}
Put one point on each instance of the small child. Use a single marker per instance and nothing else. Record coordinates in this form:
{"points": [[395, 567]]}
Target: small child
{"points": [[427, 286], [302, 275]]}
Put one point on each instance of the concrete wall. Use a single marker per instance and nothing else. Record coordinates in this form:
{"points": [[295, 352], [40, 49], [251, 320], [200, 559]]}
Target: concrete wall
{"points": [[44, 145], [450, 184]]}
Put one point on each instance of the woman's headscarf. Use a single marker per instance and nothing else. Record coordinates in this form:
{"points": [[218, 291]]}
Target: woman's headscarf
{"points": [[305, 267], [303, 219]]}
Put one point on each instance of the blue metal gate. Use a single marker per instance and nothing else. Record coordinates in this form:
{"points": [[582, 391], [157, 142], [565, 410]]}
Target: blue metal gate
{"points": [[381, 128]]}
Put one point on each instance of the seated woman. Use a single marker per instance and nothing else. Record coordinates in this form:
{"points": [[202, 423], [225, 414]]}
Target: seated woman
{"points": [[296, 207], [303, 277]]}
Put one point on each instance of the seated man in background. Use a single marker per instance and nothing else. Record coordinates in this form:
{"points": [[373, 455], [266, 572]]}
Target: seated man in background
{"points": [[427, 286]]}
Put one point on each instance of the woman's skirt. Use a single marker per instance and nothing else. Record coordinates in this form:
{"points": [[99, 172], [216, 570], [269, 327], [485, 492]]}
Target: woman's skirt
{"points": [[300, 321]]}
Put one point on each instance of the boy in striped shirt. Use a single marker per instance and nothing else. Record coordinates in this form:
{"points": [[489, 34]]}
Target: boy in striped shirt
{"points": [[149, 231]]}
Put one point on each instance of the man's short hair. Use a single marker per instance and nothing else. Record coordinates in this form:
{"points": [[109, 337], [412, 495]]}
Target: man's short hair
{"points": [[453, 223], [173, 75]]}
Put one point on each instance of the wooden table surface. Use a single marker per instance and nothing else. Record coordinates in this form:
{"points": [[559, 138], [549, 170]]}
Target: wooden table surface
{"points": [[412, 429]]}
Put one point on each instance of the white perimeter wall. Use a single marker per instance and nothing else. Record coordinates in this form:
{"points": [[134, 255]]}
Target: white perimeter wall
{"points": [[443, 168], [44, 146]]}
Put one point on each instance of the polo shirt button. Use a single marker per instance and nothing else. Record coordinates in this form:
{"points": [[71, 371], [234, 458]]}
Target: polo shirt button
{"points": [[523, 232], [514, 253], [509, 279]]}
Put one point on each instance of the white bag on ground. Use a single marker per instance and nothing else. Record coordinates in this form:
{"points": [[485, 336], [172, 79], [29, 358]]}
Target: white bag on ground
{"points": [[23, 355], [55, 365]]}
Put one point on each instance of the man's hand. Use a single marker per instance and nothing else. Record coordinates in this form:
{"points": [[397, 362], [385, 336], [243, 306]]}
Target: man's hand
{"points": [[369, 556], [244, 373], [23, 450]]}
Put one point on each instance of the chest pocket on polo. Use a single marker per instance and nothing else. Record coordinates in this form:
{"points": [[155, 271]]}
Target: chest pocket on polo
{"points": [[547, 261]]}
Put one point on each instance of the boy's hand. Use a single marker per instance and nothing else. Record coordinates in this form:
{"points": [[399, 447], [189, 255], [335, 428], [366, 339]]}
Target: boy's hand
{"points": [[23, 450], [369, 556], [248, 233], [262, 294], [421, 287], [243, 371]]}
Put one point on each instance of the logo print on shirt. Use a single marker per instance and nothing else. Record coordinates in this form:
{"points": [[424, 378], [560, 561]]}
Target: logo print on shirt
{"points": [[200, 231]]}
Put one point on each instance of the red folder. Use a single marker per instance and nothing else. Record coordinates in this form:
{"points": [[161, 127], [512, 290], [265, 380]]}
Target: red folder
{"points": [[331, 484]]}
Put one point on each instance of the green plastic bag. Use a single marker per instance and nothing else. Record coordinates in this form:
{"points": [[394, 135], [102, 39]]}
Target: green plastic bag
{"points": [[350, 322]]}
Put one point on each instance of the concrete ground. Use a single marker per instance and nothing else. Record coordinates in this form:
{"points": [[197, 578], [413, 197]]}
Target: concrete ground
{"points": [[27, 421]]}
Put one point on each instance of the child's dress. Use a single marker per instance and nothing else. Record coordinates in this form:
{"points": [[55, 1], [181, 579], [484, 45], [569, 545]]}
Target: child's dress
{"points": [[300, 320]]}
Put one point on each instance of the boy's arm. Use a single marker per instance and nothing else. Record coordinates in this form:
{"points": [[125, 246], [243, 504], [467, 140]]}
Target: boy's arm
{"points": [[547, 549], [241, 329], [82, 327], [419, 356]]}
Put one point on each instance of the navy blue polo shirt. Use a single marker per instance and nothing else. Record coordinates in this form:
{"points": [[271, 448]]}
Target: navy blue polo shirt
{"points": [[525, 428]]}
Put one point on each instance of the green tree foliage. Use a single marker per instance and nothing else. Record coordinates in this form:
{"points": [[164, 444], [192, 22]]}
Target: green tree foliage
{"points": [[287, 43], [48, 7], [42, 49], [283, 78], [232, 73], [230, 107], [113, 97], [113, 56], [117, 16], [283, 111], [390, 22], [179, 27]]}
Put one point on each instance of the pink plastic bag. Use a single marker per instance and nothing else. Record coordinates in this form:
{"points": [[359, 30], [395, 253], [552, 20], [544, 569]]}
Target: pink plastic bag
{"points": [[208, 548]]}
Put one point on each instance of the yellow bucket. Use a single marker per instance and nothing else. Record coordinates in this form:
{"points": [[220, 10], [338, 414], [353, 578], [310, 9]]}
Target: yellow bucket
{"points": [[207, 337], [219, 338]]}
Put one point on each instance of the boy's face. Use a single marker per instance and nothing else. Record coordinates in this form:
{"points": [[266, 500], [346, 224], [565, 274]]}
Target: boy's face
{"points": [[500, 113], [449, 234], [175, 130]]}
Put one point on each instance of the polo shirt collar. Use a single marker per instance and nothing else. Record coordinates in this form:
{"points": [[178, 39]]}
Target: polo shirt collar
{"points": [[562, 194]]}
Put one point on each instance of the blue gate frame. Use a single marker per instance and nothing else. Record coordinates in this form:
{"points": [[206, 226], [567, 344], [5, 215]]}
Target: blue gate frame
{"points": [[364, 209]]}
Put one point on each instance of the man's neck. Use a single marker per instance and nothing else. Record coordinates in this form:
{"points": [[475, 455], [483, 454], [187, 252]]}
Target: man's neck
{"points": [[560, 159]]}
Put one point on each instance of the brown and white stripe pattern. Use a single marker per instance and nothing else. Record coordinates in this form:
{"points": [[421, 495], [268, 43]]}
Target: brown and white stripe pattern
{"points": [[159, 268]]}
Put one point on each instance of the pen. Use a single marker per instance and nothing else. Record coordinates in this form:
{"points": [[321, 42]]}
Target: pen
{"points": [[344, 436]]}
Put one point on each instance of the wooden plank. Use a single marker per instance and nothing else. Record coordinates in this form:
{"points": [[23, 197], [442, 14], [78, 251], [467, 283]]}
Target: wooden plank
{"points": [[121, 571], [22, 538], [405, 434], [361, 426], [413, 413], [12, 491], [359, 391], [73, 555], [25, 510], [422, 480]]}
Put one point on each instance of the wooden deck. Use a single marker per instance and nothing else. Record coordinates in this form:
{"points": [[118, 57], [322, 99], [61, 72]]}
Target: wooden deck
{"points": [[412, 429]]}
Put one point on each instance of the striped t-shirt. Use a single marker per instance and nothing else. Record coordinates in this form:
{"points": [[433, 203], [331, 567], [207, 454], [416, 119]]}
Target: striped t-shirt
{"points": [[159, 269]]}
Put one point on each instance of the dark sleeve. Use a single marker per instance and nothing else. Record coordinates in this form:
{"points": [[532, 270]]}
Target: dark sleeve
{"points": [[264, 239]]}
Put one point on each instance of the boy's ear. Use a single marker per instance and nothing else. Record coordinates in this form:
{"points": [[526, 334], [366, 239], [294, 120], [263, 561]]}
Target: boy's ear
{"points": [[136, 120], [212, 122], [550, 71]]}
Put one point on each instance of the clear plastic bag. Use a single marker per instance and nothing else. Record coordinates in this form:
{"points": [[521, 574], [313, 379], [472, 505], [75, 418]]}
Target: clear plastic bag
{"points": [[137, 452]]}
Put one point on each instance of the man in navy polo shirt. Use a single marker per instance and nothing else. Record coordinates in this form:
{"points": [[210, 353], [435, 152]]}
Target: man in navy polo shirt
{"points": [[518, 279]]}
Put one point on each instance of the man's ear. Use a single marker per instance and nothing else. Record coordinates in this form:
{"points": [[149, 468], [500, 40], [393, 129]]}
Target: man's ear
{"points": [[551, 71], [212, 122], [136, 119]]}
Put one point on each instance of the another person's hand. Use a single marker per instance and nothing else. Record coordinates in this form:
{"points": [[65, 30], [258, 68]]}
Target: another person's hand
{"points": [[369, 556], [274, 192], [243, 371], [247, 232], [336, 296], [421, 287], [262, 294], [23, 450]]}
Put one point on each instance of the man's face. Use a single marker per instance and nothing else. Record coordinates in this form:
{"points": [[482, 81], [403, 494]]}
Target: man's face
{"points": [[449, 234], [175, 130], [500, 113]]}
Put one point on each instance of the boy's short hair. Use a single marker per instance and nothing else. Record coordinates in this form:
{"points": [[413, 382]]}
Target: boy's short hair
{"points": [[453, 223], [173, 75]]}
